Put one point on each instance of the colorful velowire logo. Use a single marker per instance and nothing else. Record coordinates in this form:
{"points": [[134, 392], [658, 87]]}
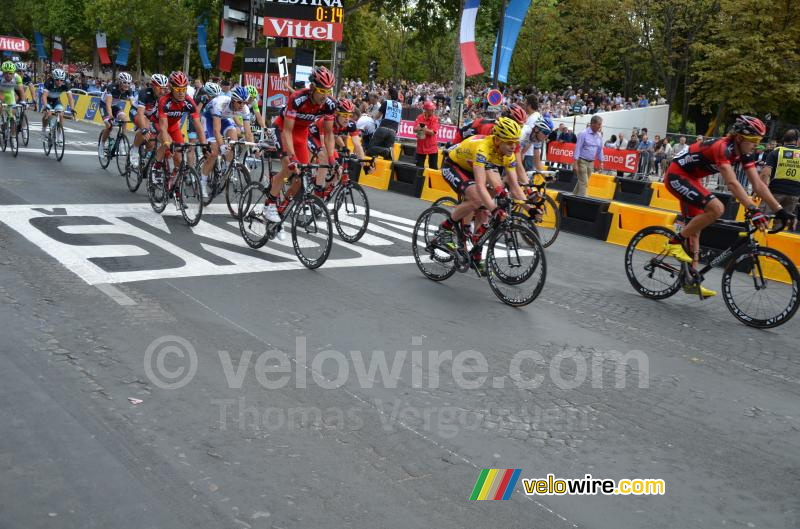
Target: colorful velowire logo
{"points": [[495, 484]]}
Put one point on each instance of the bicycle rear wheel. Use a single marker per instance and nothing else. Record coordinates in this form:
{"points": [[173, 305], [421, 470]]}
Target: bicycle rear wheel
{"points": [[445, 202], [351, 212], [255, 229], [123, 155], [550, 226], [133, 178], [102, 153], [13, 139], [312, 233], [760, 287], [650, 270], [59, 141], [3, 135], [237, 183], [191, 198], [516, 265], [436, 262], [25, 129], [156, 189]]}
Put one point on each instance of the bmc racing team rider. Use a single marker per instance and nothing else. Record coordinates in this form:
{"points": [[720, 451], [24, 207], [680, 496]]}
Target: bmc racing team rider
{"points": [[171, 108], [291, 130], [684, 180]]}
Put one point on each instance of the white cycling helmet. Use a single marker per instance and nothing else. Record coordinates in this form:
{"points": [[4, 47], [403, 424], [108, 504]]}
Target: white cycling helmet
{"points": [[212, 89], [21, 66], [159, 80], [124, 77], [59, 74]]}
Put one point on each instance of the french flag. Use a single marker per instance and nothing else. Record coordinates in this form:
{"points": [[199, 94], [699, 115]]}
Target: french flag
{"points": [[469, 52], [226, 52], [58, 50], [102, 48]]}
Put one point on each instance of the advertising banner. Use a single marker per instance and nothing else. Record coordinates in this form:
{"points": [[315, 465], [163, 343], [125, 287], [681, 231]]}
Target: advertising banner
{"points": [[613, 159], [446, 132]]}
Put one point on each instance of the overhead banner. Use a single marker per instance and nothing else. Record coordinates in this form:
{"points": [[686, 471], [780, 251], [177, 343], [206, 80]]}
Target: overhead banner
{"points": [[613, 159], [39, 40], [14, 44], [202, 50], [301, 21], [123, 51], [512, 23], [466, 39], [102, 48]]}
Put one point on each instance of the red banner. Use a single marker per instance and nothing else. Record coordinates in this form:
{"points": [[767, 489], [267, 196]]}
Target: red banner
{"points": [[257, 80], [14, 44], [302, 29], [446, 132], [278, 91], [613, 159]]}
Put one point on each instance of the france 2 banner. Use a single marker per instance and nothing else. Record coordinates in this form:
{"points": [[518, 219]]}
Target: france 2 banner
{"points": [[613, 159], [406, 132]]}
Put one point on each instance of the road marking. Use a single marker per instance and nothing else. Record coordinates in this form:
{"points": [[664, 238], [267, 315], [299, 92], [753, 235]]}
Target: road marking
{"points": [[40, 151], [115, 294], [74, 131]]}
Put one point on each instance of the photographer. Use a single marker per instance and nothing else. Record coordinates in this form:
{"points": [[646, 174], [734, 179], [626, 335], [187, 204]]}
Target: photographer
{"points": [[426, 127]]}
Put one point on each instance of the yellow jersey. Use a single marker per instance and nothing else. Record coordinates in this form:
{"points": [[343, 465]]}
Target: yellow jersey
{"points": [[480, 151]]}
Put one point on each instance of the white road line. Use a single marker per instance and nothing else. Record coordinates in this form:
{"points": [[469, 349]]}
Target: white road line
{"points": [[115, 294], [40, 151]]}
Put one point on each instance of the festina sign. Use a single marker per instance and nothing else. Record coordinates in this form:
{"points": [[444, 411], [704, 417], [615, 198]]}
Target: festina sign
{"points": [[14, 44], [302, 29], [322, 3]]}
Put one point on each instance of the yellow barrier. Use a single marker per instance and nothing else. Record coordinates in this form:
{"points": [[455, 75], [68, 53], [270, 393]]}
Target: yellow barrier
{"points": [[601, 186], [629, 219], [396, 151], [379, 178], [663, 199], [549, 218], [435, 186]]}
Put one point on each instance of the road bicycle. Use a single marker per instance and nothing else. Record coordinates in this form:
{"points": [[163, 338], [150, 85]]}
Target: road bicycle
{"points": [[116, 147], [547, 223], [516, 267], [759, 284], [24, 126], [312, 235], [185, 189], [8, 121], [139, 162], [53, 137], [347, 199]]}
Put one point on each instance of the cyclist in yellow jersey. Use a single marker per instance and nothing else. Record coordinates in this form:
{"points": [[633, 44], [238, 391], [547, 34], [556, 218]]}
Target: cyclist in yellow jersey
{"points": [[465, 169]]}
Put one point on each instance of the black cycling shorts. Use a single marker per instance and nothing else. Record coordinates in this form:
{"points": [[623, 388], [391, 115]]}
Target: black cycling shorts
{"points": [[458, 178]]}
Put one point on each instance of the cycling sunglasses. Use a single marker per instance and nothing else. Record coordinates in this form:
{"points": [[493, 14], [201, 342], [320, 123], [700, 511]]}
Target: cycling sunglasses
{"points": [[179, 89], [344, 114], [751, 139], [326, 91]]}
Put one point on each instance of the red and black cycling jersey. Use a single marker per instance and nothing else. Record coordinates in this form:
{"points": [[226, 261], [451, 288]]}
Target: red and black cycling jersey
{"points": [[174, 110], [477, 127], [304, 112], [704, 159], [148, 100], [349, 129]]}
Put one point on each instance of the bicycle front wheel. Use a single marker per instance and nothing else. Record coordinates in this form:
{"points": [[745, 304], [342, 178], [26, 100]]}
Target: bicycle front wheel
{"points": [[351, 212], [760, 287], [123, 155], [25, 129], [255, 229], [550, 226], [435, 261], [133, 178], [312, 233], [156, 189], [13, 139], [59, 141], [238, 181], [191, 197], [652, 272], [516, 265], [102, 153]]}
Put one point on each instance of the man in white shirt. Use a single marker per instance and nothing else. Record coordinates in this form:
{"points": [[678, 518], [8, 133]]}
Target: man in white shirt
{"points": [[532, 109]]}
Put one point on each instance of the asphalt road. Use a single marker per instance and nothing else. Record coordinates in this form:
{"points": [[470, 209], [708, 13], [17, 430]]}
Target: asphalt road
{"points": [[279, 421]]}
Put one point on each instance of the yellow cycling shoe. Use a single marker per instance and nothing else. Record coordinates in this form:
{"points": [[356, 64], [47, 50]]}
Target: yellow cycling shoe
{"points": [[677, 251], [705, 292]]}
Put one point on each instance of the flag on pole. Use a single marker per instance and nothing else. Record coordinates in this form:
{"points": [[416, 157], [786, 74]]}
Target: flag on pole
{"points": [[122, 52], [469, 52], [37, 37], [512, 23], [201, 46], [58, 49], [102, 48], [226, 52]]}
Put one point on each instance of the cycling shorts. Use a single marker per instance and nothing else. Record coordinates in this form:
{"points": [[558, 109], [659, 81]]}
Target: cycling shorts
{"points": [[300, 142], [54, 104], [225, 126], [116, 109], [689, 191], [458, 178], [176, 133]]}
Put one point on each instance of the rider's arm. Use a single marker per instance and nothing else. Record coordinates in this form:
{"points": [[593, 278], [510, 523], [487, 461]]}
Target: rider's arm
{"points": [[479, 172], [163, 123], [761, 189], [108, 106], [141, 120], [328, 138], [216, 126], [248, 131], [357, 147], [286, 136], [736, 188], [537, 159]]}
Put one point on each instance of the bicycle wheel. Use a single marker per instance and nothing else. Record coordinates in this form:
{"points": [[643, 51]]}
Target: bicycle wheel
{"points": [[255, 229], [351, 212], [133, 178], [550, 226], [760, 287], [13, 139], [47, 142], [3, 135], [238, 181], [25, 129], [156, 189], [445, 202], [59, 141], [434, 261], [191, 197], [312, 234], [123, 156], [102, 153], [650, 270], [516, 265]]}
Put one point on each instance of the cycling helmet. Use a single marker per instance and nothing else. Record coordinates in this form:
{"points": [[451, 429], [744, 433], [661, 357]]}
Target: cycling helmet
{"points": [[345, 105], [21, 66], [212, 89], [9, 67], [322, 77], [252, 91], [544, 125], [239, 94], [124, 77], [517, 113], [749, 126], [178, 79], [159, 80], [59, 74], [506, 129]]}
